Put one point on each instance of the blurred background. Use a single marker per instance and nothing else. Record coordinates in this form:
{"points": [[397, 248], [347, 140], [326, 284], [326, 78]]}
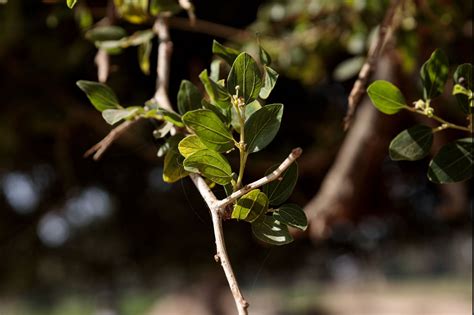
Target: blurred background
{"points": [[110, 237]]}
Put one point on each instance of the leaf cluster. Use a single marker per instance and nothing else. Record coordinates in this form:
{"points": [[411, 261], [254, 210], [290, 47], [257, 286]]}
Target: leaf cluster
{"points": [[230, 117], [453, 163]]}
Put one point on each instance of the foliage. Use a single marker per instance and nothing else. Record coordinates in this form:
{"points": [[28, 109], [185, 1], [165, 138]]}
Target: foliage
{"points": [[233, 106], [454, 161]]}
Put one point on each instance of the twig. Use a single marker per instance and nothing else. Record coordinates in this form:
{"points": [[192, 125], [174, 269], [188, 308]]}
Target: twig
{"points": [[102, 59], [385, 32], [99, 149], [276, 174], [210, 28]]}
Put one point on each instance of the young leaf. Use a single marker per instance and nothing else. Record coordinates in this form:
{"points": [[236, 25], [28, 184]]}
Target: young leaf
{"points": [[226, 53], [173, 165], [144, 51], [217, 93], [453, 163], [113, 116], [105, 33], [100, 95], [262, 127], [265, 58], [215, 70], [211, 165], [189, 145], [386, 97], [210, 129], [412, 144], [246, 75], [269, 230], [280, 190], [71, 3], [463, 77], [434, 74], [250, 206], [270, 79], [291, 215], [189, 97]]}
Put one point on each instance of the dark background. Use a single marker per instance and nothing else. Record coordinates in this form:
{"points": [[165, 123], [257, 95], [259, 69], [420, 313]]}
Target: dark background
{"points": [[103, 231]]}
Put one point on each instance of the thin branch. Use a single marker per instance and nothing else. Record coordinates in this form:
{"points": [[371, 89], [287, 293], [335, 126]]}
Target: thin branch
{"points": [[165, 49], [221, 252], [276, 174], [99, 149], [210, 28], [385, 32]]}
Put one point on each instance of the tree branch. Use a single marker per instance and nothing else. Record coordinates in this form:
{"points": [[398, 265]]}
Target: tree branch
{"points": [[376, 49], [221, 252], [276, 174]]}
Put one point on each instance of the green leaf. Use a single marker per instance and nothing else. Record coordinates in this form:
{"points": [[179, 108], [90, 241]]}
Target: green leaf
{"points": [[113, 116], [215, 70], [262, 127], [159, 6], [100, 95], [189, 97], [189, 145], [250, 206], [250, 109], [217, 93], [171, 117], [105, 33], [144, 51], [223, 114], [139, 37], [280, 190], [386, 97], [226, 53], [434, 74], [245, 74], [453, 163], [291, 215], [265, 58], [211, 165], [412, 144], [269, 230], [270, 79], [173, 165], [71, 3], [210, 129], [463, 77]]}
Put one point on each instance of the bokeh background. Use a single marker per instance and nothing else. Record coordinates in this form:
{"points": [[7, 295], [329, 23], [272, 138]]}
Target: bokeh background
{"points": [[110, 237]]}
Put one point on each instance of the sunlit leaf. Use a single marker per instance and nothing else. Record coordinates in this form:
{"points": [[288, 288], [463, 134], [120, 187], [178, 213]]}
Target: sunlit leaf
{"points": [[246, 75], [250, 206], [386, 97], [99, 94], [262, 127], [209, 164], [210, 129], [269, 82]]}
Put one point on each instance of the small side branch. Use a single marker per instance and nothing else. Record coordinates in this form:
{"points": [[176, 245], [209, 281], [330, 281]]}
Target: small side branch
{"points": [[99, 149], [385, 32], [276, 174]]}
